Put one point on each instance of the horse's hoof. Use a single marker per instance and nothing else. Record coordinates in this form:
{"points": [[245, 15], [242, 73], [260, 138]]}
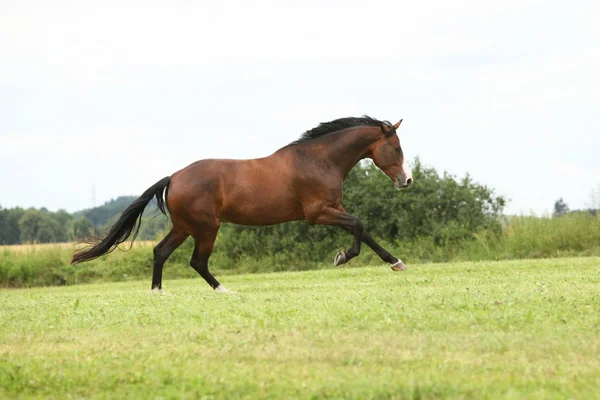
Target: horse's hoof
{"points": [[223, 289], [340, 258], [399, 266]]}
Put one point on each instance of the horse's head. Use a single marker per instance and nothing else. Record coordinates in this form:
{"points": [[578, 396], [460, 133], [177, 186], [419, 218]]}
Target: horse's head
{"points": [[387, 154]]}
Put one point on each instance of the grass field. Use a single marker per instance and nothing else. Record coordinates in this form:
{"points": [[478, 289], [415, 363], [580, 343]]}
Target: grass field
{"points": [[513, 329]]}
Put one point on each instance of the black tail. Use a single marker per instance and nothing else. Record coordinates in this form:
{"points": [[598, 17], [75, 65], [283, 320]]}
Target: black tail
{"points": [[129, 222]]}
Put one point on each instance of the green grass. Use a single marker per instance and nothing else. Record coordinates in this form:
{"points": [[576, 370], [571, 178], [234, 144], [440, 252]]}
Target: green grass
{"points": [[512, 329]]}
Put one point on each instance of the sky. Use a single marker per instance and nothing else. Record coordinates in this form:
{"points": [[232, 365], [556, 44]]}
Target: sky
{"points": [[102, 99]]}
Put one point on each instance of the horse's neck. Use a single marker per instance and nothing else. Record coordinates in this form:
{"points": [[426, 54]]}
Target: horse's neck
{"points": [[346, 149]]}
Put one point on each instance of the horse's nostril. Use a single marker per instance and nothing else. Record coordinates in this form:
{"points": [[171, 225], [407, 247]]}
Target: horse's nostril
{"points": [[409, 181]]}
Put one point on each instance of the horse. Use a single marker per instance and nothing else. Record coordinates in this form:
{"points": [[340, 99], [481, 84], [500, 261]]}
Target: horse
{"points": [[301, 181]]}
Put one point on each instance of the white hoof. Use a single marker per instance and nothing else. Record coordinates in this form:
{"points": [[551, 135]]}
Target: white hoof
{"points": [[223, 289], [340, 258], [399, 266]]}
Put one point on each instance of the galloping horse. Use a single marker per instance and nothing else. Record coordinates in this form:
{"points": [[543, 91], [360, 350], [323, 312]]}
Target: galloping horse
{"points": [[301, 181]]}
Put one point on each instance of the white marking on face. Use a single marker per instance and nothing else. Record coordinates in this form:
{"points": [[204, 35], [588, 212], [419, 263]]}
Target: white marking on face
{"points": [[407, 170], [405, 178]]}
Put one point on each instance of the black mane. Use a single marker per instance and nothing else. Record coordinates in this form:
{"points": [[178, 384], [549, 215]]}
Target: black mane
{"points": [[325, 128]]}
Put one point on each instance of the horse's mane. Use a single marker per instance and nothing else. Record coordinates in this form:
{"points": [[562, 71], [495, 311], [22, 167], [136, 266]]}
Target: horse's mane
{"points": [[325, 128]]}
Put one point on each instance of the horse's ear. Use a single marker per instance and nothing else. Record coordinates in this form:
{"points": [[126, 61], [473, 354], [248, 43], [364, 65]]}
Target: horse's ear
{"points": [[397, 124]]}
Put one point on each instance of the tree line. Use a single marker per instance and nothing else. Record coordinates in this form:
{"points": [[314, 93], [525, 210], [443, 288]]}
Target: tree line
{"points": [[21, 226], [18, 225]]}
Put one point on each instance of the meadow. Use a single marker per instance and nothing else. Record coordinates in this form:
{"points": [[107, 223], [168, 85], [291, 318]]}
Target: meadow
{"points": [[484, 330]]}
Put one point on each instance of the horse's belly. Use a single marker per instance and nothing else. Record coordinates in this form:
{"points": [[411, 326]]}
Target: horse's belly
{"points": [[259, 207]]}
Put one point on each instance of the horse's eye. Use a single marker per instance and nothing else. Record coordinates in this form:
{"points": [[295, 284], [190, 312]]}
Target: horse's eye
{"points": [[399, 150]]}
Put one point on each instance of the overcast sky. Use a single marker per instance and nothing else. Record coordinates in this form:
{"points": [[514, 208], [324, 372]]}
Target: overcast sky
{"points": [[114, 95]]}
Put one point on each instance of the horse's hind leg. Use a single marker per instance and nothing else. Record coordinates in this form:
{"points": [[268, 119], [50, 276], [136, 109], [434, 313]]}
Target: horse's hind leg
{"points": [[162, 251], [204, 243]]}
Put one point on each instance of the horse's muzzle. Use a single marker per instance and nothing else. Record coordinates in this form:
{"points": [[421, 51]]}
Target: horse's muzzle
{"points": [[398, 184]]}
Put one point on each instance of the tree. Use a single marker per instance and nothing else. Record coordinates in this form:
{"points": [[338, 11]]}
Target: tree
{"points": [[438, 206], [3, 226], [38, 227], [83, 228], [10, 232], [64, 219], [560, 208]]}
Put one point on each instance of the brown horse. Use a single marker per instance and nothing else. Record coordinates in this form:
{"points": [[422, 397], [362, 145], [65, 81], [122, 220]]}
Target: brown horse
{"points": [[301, 181]]}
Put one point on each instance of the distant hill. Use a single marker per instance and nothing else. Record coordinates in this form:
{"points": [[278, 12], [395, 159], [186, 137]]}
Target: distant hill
{"points": [[101, 215], [154, 224]]}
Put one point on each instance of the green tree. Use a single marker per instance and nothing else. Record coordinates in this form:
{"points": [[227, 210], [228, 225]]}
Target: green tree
{"points": [[438, 206], [560, 208], [10, 232], [64, 220], [3, 226], [83, 228], [38, 227]]}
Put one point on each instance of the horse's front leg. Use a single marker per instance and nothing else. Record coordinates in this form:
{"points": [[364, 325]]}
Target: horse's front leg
{"points": [[339, 217], [333, 216], [396, 264]]}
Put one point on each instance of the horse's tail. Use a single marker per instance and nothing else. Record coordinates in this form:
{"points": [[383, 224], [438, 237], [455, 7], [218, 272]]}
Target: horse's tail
{"points": [[129, 222]]}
